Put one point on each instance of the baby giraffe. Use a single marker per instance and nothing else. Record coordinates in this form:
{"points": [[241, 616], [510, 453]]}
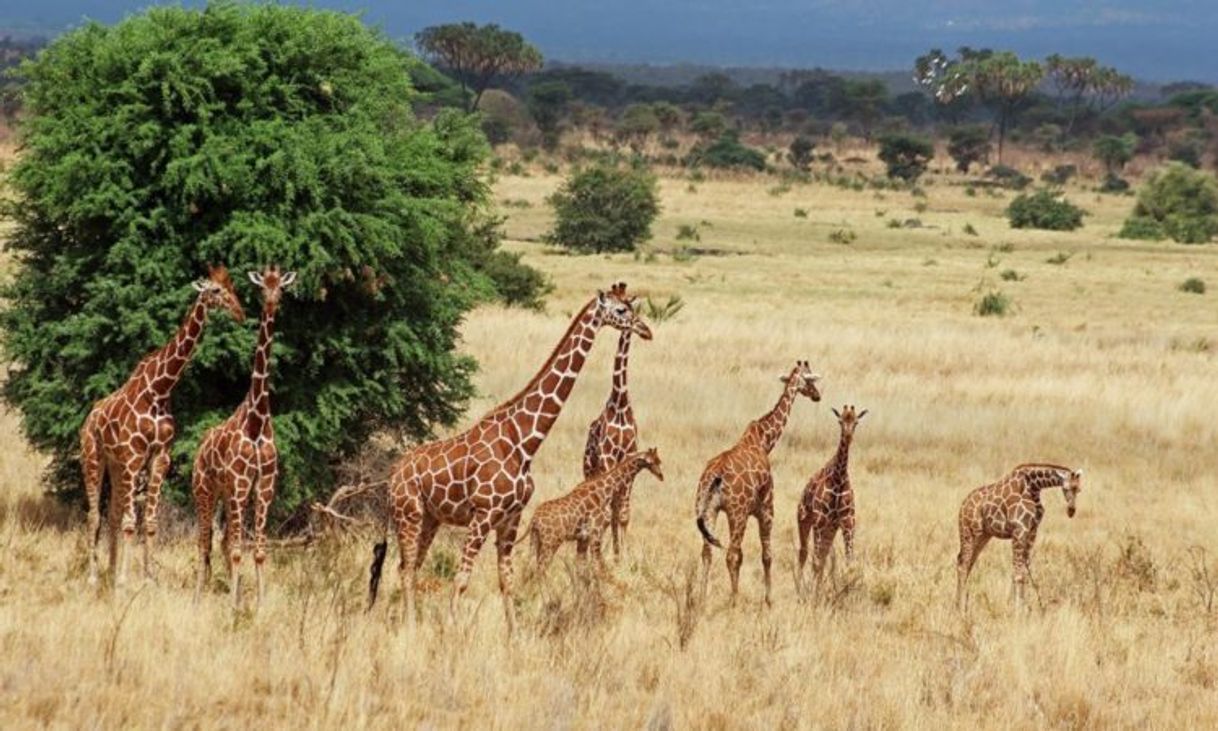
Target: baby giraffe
{"points": [[1010, 509], [584, 514], [828, 503]]}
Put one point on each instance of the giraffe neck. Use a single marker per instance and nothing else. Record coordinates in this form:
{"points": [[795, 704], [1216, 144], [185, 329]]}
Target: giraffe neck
{"points": [[1043, 477], [841, 460], [619, 397], [259, 397], [622, 474], [769, 427], [171, 360], [535, 409]]}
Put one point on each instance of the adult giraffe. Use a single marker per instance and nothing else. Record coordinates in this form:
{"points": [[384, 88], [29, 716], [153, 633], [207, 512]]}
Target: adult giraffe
{"points": [[480, 478], [131, 430], [613, 435], [238, 457]]}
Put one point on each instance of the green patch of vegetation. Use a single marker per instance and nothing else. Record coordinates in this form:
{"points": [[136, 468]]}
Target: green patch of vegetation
{"points": [[993, 304], [1060, 258], [686, 232], [603, 208], [842, 236], [1178, 203], [969, 230], [1193, 285], [1044, 210], [1010, 275], [657, 312], [801, 213]]}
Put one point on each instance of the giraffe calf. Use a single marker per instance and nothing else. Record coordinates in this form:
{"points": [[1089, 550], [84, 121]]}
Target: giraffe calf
{"points": [[827, 504], [584, 514], [1010, 509]]}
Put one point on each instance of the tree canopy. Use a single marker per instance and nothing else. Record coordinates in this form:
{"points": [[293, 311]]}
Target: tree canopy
{"points": [[478, 54], [244, 135]]}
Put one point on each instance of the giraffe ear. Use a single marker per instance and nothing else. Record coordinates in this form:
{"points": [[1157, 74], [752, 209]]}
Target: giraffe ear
{"points": [[1078, 473], [255, 277], [288, 278], [835, 412], [862, 414]]}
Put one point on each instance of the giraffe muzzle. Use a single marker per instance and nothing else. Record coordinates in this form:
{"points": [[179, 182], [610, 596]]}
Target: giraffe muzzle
{"points": [[1070, 511]]}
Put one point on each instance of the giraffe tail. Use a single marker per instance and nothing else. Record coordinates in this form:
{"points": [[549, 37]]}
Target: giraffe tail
{"points": [[708, 497], [378, 564]]}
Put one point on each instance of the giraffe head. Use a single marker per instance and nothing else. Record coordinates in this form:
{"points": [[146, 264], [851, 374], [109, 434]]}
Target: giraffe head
{"points": [[848, 419], [615, 309], [803, 379], [272, 282], [216, 292], [1072, 486], [650, 461]]}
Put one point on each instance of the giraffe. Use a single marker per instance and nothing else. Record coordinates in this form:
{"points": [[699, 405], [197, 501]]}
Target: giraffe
{"points": [[1010, 509], [584, 514], [612, 436], [739, 482], [238, 457], [828, 502], [127, 434], [481, 478]]}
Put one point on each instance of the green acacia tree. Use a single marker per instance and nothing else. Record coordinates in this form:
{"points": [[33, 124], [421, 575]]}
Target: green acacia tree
{"points": [[477, 55], [243, 135]]}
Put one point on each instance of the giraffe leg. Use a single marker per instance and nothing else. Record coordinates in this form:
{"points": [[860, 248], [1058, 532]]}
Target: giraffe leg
{"points": [[235, 533], [970, 548], [157, 468], [848, 538], [505, 541], [735, 553], [128, 477], [805, 527], [620, 524], [91, 466], [1021, 554], [479, 528], [204, 506], [765, 522], [264, 493], [823, 538], [410, 533]]}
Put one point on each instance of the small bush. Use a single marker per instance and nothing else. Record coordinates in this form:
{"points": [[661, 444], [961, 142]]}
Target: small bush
{"points": [[1060, 258], [906, 156], [685, 232], [1182, 202], [993, 304], [1010, 275], [1044, 210], [728, 152], [1142, 229], [1009, 177], [842, 236], [1114, 184], [1193, 285], [656, 311], [801, 213], [969, 144], [799, 154], [604, 208], [969, 230], [1060, 174]]}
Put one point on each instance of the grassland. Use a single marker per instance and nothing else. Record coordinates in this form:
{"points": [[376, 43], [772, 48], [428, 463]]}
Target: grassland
{"points": [[1102, 363]]}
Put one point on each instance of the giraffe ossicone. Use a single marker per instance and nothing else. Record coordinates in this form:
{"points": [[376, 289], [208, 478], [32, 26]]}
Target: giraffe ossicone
{"points": [[480, 479], [127, 435]]}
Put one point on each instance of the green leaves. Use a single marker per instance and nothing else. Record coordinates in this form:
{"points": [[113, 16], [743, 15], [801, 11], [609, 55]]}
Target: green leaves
{"points": [[244, 135]]}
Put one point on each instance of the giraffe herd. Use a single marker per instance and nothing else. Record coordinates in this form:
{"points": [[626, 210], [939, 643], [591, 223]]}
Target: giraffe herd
{"points": [[481, 479]]}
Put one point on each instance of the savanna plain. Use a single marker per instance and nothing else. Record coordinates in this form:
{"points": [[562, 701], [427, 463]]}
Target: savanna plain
{"points": [[1101, 362]]}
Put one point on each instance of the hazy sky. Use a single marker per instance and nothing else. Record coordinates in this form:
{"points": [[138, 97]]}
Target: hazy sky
{"points": [[1156, 40]]}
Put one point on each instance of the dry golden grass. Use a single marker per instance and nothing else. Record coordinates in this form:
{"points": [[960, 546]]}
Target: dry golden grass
{"points": [[1103, 365]]}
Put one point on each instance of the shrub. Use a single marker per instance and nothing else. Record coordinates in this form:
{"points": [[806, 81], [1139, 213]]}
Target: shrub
{"points": [[801, 213], [1060, 258], [968, 145], [1178, 201], [799, 154], [604, 208], [1044, 210], [1009, 177], [1114, 151], [656, 311], [906, 156], [1010, 275], [1193, 285], [1060, 174], [1114, 184], [245, 134], [993, 304], [686, 232], [1186, 150], [842, 236], [727, 152]]}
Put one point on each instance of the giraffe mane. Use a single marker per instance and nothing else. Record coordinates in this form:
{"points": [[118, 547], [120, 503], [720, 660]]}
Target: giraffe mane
{"points": [[1042, 466]]}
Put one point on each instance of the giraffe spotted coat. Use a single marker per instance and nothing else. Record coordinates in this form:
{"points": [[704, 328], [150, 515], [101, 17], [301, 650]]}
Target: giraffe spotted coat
{"points": [[739, 483], [1010, 509], [238, 458], [584, 514], [481, 479], [127, 435], [827, 504]]}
